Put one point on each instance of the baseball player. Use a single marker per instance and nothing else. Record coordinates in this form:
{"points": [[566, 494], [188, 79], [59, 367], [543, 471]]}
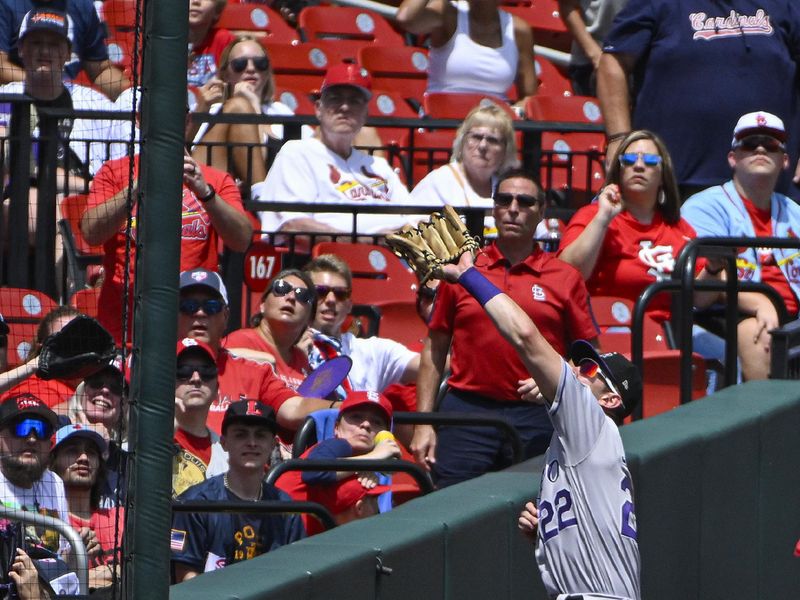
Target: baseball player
{"points": [[586, 520]]}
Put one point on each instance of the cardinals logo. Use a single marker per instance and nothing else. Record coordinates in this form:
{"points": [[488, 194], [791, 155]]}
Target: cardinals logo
{"points": [[659, 259]]}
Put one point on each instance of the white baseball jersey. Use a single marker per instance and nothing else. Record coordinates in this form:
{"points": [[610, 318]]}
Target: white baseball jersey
{"points": [[587, 524]]}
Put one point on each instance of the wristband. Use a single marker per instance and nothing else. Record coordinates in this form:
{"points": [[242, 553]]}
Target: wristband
{"points": [[478, 286], [211, 193], [616, 136]]}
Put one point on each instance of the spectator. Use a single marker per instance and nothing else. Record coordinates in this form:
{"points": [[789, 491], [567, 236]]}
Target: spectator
{"points": [[361, 416], [206, 43], [26, 483], [330, 169], [588, 21], [748, 206], [209, 541], [287, 307], [87, 37], [484, 146], [378, 363], [203, 314], [487, 377], [199, 454], [475, 47], [687, 77], [78, 458], [212, 214], [631, 236]]}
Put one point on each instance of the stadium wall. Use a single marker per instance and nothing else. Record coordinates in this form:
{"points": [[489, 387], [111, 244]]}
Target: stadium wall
{"points": [[717, 486]]}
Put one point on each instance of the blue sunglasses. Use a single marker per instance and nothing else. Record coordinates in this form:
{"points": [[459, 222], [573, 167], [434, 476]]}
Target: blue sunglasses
{"points": [[24, 428], [629, 159], [190, 306]]}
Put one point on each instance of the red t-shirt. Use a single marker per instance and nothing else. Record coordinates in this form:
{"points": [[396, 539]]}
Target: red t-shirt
{"points": [[292, 373], [549, 290], [200, 242], [191, 460], [52, 392], [108, 525], [770, 271], [240, 379], [633, 256], [204, 58]]}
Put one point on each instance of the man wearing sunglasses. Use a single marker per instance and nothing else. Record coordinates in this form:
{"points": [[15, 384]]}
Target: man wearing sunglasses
{"points": [[203, 315], [584, 514], [199, 454], [26, 425], [487, 378], [749, 206]]}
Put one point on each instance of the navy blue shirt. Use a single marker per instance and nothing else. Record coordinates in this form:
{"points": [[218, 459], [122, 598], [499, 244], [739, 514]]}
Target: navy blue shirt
{"points": [[699, 68]]}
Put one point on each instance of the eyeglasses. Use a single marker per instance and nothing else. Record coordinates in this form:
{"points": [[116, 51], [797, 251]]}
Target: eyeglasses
{"points": [[41, 429], [629, 159], [590, 369], [752, 142], [184, 372], [475, 139], [190, 306], [98, 382], [281, 287], [339, 292], [505, 199], [238, 65]]}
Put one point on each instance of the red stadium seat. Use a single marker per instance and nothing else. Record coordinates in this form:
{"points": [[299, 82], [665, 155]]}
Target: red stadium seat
{"points": [[545, 21], [577, 109], [400, 68], [86, 301], [661, 381], [301, 66], [258, 20], [83, 259], [119, 15], [443, 105], [378, 275], [552, 82], [401, 323], [298, 100], [613, 316], [388, 104], [22, 310], [431, 149], [355, 25]]}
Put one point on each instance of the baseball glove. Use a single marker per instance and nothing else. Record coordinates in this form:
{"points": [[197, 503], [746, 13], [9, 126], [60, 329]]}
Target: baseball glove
{"points": [[81, 348], [431, 245]]}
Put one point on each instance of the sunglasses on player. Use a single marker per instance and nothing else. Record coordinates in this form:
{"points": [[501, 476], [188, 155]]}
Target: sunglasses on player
{"points": [[207, 372], [591, 369], [41, 429], [628, 159], [341, 293], [99, 381], [190, 306], [752, 142], [238, 65], [281, 287], [506, 198]]}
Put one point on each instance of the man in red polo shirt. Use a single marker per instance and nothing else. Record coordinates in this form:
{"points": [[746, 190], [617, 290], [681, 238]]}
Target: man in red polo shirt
{"points": [[203, 314], [487, 376]]}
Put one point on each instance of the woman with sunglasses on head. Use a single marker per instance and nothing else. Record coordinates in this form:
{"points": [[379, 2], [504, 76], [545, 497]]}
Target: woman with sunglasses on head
{"points": [[630, 237], [287, 308]]}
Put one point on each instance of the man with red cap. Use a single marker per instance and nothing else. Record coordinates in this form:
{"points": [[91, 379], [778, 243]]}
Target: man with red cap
{"points": [[361, 417], [330, 169]]}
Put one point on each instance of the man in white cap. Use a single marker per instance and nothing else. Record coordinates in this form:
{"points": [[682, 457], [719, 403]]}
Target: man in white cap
{"points": [[330, 169], [749, 206]]}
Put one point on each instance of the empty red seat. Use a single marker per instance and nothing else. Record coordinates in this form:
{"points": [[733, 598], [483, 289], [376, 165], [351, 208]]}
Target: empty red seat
{"points": [[258, 20]]}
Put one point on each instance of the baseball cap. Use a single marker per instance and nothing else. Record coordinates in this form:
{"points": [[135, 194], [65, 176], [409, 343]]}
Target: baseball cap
{"points": [[370, 398], [348, 74], [206, 278], [621, 372], [19, 405], [250, 412], [759, 122], [45, 19], [339, 497], [71, 432], [191, 343]]}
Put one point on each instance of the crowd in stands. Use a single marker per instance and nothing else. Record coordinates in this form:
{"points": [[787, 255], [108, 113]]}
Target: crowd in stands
{"points": [[242, 396]]}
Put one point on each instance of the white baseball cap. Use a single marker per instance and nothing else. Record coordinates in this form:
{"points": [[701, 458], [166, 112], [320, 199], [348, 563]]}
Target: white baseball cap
{"points": [[759, 122]]}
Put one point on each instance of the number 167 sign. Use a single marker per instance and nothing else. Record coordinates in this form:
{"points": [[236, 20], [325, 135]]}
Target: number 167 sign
{"points": [[261, 262]]}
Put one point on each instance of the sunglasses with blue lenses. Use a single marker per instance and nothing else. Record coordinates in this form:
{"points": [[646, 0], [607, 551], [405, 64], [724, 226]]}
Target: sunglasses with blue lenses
{"points": [[24, 428], [186, 371], [190, 306], [281, 287], [628, 159]]}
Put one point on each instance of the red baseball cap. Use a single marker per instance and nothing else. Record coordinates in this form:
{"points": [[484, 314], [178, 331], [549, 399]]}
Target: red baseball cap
{"points": [[341, 496], [189, 343], [370, 398], [348, 74]]}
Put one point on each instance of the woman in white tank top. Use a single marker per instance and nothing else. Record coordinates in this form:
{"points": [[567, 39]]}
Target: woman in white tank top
{"points": [[475, 46]]}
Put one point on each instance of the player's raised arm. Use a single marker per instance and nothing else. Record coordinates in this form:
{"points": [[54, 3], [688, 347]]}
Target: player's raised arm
{"points": [[538, 356]]}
